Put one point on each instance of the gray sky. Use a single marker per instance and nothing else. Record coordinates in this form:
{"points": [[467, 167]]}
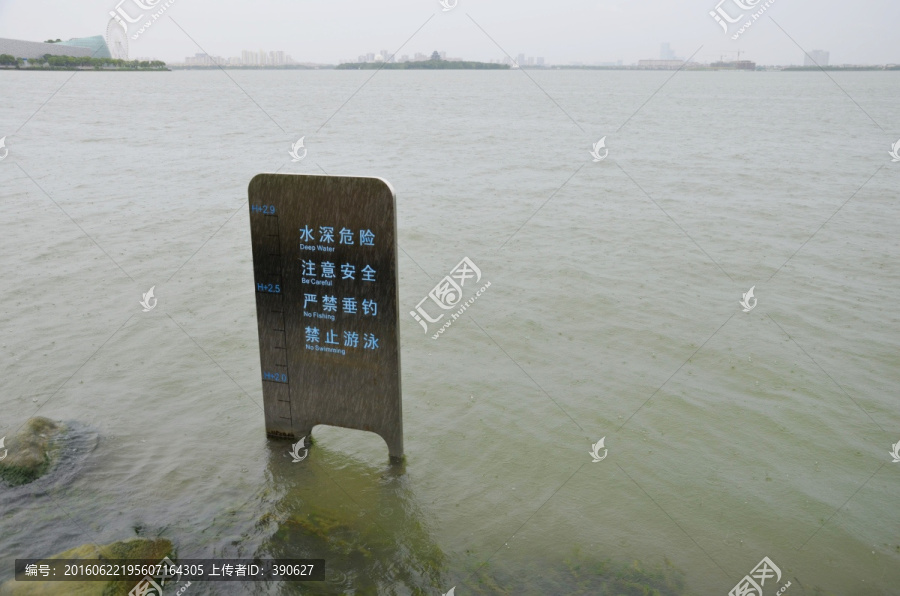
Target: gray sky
{"points": [[562, 31]]}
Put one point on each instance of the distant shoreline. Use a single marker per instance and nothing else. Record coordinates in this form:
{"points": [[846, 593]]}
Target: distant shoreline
{"points": [[429, 65], [52, 62], [423, 65], [506, 67], [248, 67], [709, 67], [81, 69]]}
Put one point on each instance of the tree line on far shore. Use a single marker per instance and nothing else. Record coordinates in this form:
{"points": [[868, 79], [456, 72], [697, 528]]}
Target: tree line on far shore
{"points": [[73, 62]]}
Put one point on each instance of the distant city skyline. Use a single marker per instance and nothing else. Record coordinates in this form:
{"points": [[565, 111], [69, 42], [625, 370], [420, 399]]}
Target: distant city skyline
{"points": [[247, 58], [567, 32], [668, 60], [277, 58], [385, 56]]}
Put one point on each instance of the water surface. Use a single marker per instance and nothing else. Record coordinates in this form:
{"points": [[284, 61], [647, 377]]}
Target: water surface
{"points": [[613, 312]]}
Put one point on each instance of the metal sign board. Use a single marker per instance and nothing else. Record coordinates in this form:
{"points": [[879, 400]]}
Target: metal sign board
{"points": [[325, 269]]}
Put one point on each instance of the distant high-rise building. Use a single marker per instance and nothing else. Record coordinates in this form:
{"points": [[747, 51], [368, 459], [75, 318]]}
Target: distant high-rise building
{"points": [[816, 58], [248, 58], [370, 57], [204, 60], [520, 59], [665, 52], [540, 60], [262, 61]]}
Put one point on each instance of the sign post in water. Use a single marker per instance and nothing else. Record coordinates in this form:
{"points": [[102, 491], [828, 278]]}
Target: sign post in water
{"points": [[325, 268]]}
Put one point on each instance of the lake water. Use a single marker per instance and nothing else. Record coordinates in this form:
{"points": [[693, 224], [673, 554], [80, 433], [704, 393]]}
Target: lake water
{"points": [[613, 312]]}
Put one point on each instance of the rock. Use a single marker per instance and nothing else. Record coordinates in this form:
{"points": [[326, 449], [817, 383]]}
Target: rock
{"points": [[32, 452], [135, 548]]}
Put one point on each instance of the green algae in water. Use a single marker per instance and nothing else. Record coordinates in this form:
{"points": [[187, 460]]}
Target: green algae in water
{"points": [[32, 452], [368, 555], [364, 554], [379, 542]]}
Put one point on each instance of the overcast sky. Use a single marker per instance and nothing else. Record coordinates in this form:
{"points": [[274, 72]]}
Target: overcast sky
{"points": [[562, 31]]}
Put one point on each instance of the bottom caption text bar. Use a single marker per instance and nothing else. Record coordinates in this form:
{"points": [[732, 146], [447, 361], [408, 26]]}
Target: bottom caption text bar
{"points": [[195, 570]]}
